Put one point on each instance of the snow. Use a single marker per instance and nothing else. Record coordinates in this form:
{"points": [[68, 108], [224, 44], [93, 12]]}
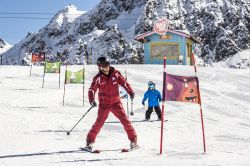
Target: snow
{"points": [[98, 32], [65, 16], [126, 19], [34, 122], [4, 46], [241, 60]]}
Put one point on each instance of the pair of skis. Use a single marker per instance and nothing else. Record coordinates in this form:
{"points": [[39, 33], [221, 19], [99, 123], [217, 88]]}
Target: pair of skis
{"points": [[99, 151]]}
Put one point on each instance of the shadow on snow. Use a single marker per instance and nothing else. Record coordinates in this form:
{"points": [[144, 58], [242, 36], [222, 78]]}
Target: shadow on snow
{"points": [[40, 154]]}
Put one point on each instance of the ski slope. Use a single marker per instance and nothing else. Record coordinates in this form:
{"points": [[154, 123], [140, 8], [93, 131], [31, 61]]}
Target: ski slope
{"points": [[33, 121]]}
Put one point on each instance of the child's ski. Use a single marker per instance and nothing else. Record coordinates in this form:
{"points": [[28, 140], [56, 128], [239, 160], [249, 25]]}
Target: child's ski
{"points": [[154, 120]]}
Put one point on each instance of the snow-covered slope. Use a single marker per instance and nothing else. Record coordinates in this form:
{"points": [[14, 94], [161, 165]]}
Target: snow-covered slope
{"points": [[4, 46], [33, 121], [223, 27], [241, 60]]}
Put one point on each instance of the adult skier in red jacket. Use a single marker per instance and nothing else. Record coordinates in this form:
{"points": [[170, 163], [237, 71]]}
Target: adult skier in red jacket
{"points": [[107, 83]]}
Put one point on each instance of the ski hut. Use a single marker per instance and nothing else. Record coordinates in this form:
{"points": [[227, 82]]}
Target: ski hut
{"points": [[177, 46]]}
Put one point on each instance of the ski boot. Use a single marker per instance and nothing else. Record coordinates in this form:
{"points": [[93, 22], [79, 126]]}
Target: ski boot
{"points": [[133, 144], [89, 146]]}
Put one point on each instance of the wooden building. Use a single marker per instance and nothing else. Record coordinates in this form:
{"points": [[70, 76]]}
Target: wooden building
{"points": [[177, 46]]}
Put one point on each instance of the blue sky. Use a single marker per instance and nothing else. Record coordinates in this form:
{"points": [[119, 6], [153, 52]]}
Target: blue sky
{"points": [[12, 30]]}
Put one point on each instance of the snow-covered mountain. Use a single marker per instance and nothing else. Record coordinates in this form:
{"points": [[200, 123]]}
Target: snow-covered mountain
{"points": [[223, 27], [4, 46]]}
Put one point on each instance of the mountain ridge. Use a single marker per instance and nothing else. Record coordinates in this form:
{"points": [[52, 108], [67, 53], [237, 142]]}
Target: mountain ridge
{"points": [[4, 46], [222, 26]]}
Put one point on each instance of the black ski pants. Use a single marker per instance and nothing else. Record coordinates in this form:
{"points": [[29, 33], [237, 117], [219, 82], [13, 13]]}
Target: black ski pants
{"points": [[150, 110]]}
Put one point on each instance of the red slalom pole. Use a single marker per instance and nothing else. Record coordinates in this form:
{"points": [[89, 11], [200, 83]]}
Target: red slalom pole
{"points": [[199, 96], [202, 121], [163, 102]]}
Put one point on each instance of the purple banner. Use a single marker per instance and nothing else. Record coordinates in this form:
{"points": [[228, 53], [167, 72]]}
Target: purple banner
{"points": [[181, 88]]}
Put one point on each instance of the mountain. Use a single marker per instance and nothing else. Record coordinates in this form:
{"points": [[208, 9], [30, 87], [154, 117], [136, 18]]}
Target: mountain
{"points": [[4, 46], [223, 27], [52, 39]]}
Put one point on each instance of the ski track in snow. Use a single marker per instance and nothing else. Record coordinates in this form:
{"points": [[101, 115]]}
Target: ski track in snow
{"points": [[34, 122]]}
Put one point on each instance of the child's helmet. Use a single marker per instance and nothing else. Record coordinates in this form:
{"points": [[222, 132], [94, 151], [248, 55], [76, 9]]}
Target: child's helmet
{"points": [[150, 82], [151, 85]]}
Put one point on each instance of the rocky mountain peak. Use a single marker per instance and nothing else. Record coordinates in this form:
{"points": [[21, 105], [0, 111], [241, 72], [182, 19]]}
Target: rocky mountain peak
{"points": [[4, 46], [223, 27], [2, 43]]}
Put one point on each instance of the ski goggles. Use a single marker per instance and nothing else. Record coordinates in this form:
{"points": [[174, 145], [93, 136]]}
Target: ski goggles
{"points": [[152, 86]]}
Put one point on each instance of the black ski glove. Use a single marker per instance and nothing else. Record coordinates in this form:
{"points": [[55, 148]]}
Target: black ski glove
{"points": [[132, 96], [93, 104]]}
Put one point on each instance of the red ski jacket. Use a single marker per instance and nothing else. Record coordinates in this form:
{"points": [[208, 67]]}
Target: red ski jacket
{"points": [[108, 86]]}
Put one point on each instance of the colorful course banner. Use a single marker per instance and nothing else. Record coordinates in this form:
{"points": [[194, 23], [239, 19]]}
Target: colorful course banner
{"points": [[181, 88], [38, 57], [52, 67], [75, 77]]}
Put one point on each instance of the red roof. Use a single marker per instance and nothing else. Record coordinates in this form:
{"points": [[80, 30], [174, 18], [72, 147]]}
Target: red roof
{"points": [[143, 35]]}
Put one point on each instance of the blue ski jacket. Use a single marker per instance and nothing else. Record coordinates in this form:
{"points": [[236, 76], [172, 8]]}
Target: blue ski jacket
{"points": [[153, 96]]}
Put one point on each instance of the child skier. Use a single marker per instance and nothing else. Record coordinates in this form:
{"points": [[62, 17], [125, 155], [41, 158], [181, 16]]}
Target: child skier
{"points": [[154, 97]]}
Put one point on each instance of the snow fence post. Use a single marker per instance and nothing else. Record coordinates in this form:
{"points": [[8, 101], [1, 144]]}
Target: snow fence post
{"points": [[31, 62], [83, 83], [59, 75], [44, 72], [64, 82]]}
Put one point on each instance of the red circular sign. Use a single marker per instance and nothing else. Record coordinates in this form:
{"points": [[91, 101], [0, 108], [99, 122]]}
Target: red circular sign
{"points": [[161, 26]]}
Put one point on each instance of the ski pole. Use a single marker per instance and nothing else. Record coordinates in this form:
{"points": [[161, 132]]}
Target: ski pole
{"points": [[131, 112], [68, 132], [127, 107]]}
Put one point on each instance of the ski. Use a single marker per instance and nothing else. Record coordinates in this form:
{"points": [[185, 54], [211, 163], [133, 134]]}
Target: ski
{"points": [[129, 149], [89, 150], [139, 121], [154, 120]]}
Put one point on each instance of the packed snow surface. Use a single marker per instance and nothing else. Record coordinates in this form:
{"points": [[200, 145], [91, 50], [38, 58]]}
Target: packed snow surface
{"points": [[34, 121]]}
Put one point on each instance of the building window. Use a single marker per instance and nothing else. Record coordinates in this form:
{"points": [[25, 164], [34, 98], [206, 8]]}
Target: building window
{"points": [[170, 50]]}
